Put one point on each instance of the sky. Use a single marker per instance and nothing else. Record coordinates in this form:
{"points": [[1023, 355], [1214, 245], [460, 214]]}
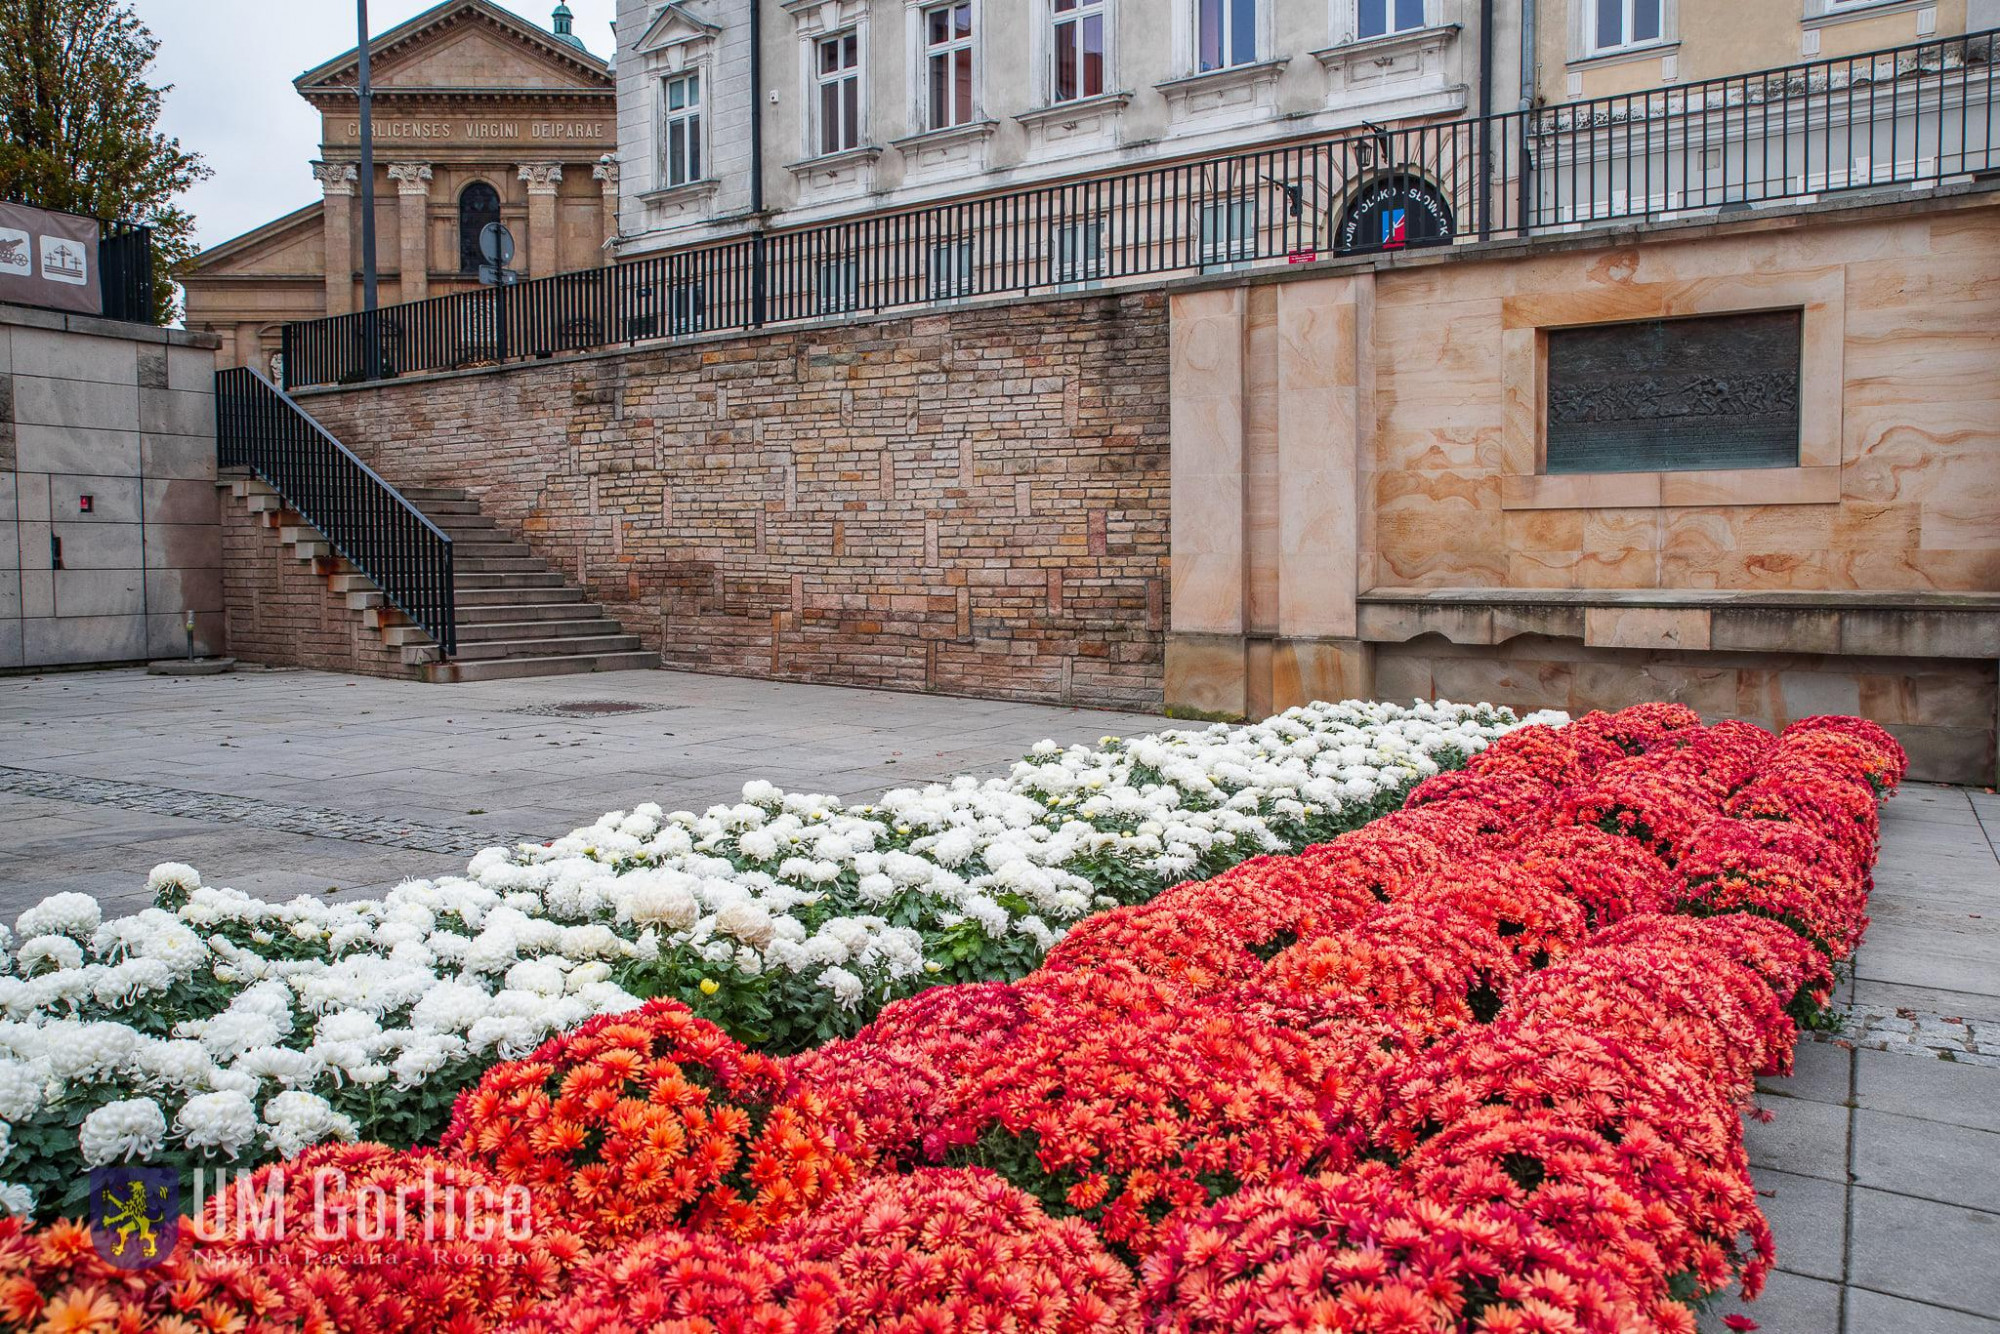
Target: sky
{"points": [[232, 63]]}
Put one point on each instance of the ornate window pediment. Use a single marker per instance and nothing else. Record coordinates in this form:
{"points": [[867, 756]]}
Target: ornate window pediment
{"points": [[673, 26]]}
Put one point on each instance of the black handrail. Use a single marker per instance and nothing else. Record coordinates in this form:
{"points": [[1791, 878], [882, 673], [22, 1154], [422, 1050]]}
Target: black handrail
{"points": [[259, 427], [1903, 115]]}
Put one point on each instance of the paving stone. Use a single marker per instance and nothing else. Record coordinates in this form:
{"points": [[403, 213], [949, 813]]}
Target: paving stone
{"points": [[1926, 1252], [1947, 1163], [1789, 1304], [1874, 1313], [1802, 1137], [1809, 1218], [1821, 1072], [1955, 1093]]}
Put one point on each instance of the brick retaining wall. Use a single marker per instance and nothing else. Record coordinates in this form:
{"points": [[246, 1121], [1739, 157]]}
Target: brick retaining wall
{"points": [[972, 502], [280, 612]]}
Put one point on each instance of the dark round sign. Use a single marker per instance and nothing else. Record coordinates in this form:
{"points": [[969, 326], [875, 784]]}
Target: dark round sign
{"points": [[496, 244], [1393, 213]]}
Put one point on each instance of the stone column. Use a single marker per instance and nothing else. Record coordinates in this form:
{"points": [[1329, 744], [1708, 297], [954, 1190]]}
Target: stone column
{"points": [[606, 175], [338, 179], [544, 180], [413, 190], [1273, 422]]}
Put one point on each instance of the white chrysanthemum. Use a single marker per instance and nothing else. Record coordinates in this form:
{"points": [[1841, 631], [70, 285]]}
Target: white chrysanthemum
{"points": [[845, 986], [48, 951], [224, 1121], [121, 1131], [20, 1089], [17, 1199], [73, 915], [296, 1121], [174, 876]]}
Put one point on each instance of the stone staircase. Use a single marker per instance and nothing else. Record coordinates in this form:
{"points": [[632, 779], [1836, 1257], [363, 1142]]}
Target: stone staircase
{"points": [[516, 616]]}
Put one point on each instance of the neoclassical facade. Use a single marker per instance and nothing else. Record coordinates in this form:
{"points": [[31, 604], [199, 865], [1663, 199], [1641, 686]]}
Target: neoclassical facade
{"points": [[479, 116]]}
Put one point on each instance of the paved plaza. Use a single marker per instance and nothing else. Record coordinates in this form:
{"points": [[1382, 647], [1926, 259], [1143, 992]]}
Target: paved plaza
{"points": [[1880, 1167], [281, 783]]}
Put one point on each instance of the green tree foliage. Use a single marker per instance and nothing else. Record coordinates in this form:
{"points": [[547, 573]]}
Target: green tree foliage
{"points": [[82, 124]]}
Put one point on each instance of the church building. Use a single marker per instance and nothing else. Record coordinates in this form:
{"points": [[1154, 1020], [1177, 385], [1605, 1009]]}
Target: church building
{"points": [[479, 116]]}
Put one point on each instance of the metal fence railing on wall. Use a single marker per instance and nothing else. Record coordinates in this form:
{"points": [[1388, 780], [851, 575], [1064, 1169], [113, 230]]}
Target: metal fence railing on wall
{"points": [[1903, 116], [125, 272]]}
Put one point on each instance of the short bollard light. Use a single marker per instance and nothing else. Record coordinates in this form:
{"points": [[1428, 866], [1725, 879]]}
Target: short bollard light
{"points": [[187, 618]]}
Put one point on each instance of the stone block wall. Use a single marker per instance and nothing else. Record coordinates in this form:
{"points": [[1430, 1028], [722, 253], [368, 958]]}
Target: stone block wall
{"points": [[125, 416], [972, 502]]}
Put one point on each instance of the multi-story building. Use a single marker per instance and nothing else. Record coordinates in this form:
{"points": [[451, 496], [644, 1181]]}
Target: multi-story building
{"points": [[793, 112], [479, 116]]}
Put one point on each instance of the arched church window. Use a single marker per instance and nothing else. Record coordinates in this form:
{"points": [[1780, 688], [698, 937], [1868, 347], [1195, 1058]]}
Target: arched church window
{"points": [[477, 206]]}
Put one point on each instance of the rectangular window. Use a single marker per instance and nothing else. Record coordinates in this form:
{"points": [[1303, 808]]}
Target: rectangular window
{"points": [[948, 63], [1620, 24], [1379, 18], [1079, 49], [1225, 33], [837, 68], [1079, 257], [1228, 232], [1712, 391], [839, 286], [951, 269], [680, 137], [687, 309]]}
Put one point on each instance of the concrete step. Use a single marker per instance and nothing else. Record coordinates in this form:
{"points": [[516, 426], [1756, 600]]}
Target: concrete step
{"points": [[469, 524], [445, 493], [486, 650], [508, 669], [499, 564], [516, 613], [545, 579], [585, 623], [468, 599], [489, 548]]}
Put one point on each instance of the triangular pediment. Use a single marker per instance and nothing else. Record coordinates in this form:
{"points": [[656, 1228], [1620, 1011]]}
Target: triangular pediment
{"points": [[292, 246], [674, 25], [463, 44]]}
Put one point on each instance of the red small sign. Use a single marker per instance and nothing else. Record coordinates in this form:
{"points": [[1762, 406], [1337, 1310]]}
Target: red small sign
{"points": [[83, 503], [1302, 257]]}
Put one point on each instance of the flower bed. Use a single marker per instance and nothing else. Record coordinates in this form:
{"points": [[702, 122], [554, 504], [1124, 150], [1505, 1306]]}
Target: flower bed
{"points": [[219, 1030], [1478, 1066]]}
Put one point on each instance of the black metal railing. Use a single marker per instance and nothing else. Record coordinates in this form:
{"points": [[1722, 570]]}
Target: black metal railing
{"points": [[1904, 116], [259, 427], [125, 272]]}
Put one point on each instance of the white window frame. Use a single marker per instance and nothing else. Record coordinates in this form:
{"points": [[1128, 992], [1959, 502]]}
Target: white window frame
{"points": [[1589, 47], [1233, 246], [1232, 58], [1055, 21], [920, 16], [842, 294], [817, 81], [1351, 18], [697, 112], [1078, 259], [948, 270]]}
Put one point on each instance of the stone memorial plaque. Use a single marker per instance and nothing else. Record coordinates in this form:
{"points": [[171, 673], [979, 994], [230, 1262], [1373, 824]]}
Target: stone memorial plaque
{"points": [[1700, 393]]}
